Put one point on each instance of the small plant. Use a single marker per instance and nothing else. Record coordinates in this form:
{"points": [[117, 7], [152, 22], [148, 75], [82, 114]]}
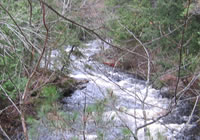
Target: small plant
{"points": [[33, 126], [160, 136], [126, 133], [148, 134], [50, 93], [100, 136]]}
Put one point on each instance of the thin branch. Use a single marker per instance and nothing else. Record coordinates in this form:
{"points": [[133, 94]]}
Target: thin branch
{"points": [[5, 134], [155, 120], [181, 51], [30, 17], [195, 105], [84, 118]]}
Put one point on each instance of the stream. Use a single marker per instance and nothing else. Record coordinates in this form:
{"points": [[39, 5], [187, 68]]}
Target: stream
{"points": [[113, 105]]}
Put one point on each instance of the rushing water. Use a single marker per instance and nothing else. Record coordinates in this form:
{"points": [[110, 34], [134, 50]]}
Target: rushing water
{"points": [[112, 106]]}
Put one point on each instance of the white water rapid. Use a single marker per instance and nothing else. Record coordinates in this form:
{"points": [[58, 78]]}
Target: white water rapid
{"points": [[112, 106]]}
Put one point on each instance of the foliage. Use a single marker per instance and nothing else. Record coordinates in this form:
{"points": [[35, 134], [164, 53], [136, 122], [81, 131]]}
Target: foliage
{"points": [[22, 38], [160, 136], [190, 64], [132, 18], [126, 132], [11, 82], [17, 56], [46, 102], [149, 134], [50, 92], [46, 108], [97, 110], [148, 21]]}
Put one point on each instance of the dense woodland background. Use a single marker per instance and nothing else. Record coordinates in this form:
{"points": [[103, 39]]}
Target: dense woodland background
{"points": [[157, 40]]}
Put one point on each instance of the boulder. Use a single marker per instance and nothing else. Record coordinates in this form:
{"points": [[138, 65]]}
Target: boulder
{"points": [[169, 82]]}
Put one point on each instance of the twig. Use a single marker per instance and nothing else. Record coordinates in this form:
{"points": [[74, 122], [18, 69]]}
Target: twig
{"points": [[30, 17], [195, 105], [84, 118], [181, 51], [5, 134], [155, 120]]}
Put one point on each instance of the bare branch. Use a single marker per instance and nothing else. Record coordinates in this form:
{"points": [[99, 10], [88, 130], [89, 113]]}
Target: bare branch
{"points": [[181, 50], [30, 17], [5, 134]]}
